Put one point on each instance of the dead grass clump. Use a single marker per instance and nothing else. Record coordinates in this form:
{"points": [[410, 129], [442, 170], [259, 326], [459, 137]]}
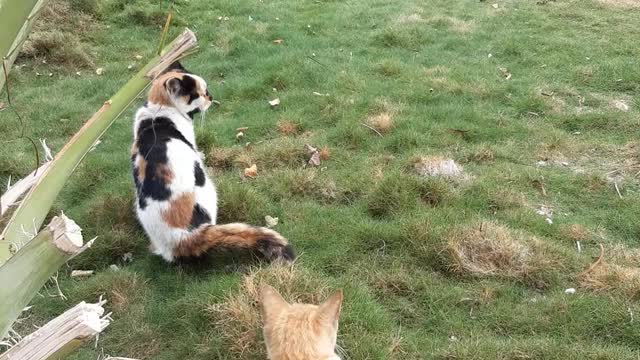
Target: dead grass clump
{"points": [[490, 249], [611, 278], [237, 318], [453, 24], [622, 4], [410, 19], [58, 36], [575, 232], [436, 70], [281, 152], [483, 155], [428, 166], [382, 122], [223, 158], [286, 127]]}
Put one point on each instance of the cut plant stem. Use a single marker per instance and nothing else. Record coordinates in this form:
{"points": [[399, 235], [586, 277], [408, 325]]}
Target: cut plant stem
{"points": [[30, 268], [34, 208], [62, 335]]}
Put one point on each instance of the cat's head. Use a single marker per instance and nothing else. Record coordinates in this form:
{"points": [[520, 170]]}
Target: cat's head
{"points": [[179, 89], [300, 331]]}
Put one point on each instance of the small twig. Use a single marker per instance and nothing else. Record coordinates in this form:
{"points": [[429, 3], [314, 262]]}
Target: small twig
{"points": [[372, 129], [165, 30], [615, 183], [596, 263], [317, 62]]}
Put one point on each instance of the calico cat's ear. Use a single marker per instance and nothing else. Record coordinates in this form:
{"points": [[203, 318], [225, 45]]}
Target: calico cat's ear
{"points": [[176, 66], [173, 85], [330, 310], [271, 302]]}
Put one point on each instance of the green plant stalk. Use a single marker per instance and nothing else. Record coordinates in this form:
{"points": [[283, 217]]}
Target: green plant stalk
{"points": [[12, 54], [30, 268], [36, 204], [13, 14]]}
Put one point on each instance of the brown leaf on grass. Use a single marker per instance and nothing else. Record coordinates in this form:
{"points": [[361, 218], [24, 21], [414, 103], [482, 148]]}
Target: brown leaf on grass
{"points": [[315, 159], [2, 106], [242, 129], [278, 41], [315, 155], [251, 172]]}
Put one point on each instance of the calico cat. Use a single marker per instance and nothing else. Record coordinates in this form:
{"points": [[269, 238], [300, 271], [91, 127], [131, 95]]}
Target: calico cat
{"points": [[299, 331], [176, 202]]}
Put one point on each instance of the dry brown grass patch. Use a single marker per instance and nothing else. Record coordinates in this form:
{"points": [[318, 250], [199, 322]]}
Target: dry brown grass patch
{"points": [[237, 317], [382, 122], [609, 278], [453, 24], [58, 36], [223, 158], [575, 232], [623, 4], [436, 165], [489, 249], [286, 127]]}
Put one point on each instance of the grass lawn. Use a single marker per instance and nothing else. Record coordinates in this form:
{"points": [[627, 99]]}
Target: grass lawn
{"points": [[536, 101]]}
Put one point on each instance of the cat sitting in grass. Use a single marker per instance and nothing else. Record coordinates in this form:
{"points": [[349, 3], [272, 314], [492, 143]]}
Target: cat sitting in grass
{"points": [[176, 202], [299, 331]]}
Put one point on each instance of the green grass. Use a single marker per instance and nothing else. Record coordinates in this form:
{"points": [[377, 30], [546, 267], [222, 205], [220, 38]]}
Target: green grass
{"points": [[365, 221]]}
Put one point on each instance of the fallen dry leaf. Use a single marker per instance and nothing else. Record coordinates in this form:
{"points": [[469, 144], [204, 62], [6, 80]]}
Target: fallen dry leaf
{"points": [[1, 106], [275, 102], [505, 73], [495, 6], [315, 159], [81, 273], [242, 129], [278, 41], [271, 221], [621, 105], [310, 149], [138, 57], [315, 155], [251, 172], [99, 71], [239, 135]]}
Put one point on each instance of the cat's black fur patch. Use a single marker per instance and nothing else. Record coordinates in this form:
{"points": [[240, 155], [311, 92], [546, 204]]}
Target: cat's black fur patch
{"points": [[199, 174], [193, 112], [176, 66], [153, 136], [200, 216]]}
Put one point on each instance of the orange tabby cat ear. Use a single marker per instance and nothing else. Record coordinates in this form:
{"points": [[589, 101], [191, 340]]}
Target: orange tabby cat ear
{"points": [[330, 309], [271, 302]]}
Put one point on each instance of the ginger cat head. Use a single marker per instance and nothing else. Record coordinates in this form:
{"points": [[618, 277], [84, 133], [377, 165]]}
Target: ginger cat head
{"points": [[300, 331]]}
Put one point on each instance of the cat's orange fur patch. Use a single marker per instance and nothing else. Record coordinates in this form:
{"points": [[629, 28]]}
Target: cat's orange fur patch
{"points": [[180, 211], [164, 173], [141, 165], [235, 235], [314, 327], [158, 93]]}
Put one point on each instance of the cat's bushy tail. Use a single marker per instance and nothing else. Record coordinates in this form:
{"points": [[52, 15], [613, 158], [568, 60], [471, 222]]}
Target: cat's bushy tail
{"points": [[235, 236]]}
